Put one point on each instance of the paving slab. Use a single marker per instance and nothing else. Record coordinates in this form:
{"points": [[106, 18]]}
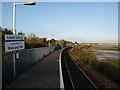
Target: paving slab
{"points": [[44, 74]]}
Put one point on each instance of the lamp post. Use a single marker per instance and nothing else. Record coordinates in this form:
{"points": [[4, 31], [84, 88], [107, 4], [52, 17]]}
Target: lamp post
{"points": [[14, 13], [14, 28]]}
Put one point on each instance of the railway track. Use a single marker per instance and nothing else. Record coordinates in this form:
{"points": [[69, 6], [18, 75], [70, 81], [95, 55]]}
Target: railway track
{"points": [[73, 76]]}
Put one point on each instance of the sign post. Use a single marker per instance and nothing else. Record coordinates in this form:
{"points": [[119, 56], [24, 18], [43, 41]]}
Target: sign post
{"points": [[14, 29], [14, 43]]}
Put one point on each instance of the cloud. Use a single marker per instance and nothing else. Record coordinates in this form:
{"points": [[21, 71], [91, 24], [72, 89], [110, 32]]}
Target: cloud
{"points": [[99, 9]]}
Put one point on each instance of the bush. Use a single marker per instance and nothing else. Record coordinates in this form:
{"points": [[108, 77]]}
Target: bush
{"points": [[109, 68], [86, 56]]}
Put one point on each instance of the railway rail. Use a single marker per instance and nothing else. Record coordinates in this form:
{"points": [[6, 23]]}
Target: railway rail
{"points": [[73, 76]]}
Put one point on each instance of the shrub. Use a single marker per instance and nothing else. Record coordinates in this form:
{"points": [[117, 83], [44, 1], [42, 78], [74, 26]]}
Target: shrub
{"points": [[109, 68]]}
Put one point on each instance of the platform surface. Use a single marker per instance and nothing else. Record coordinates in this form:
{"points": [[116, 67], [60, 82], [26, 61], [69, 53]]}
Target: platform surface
{"points": [[43, 74]]}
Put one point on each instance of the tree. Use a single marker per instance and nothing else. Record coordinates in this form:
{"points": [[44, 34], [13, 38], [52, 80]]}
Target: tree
{"points": [[32, 41], [53, 42], [63, 42], [5, 31], [21, 33], [32, 35]]}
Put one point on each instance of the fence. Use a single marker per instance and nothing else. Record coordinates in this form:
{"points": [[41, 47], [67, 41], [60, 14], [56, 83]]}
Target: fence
{"points": [[26, 59]]}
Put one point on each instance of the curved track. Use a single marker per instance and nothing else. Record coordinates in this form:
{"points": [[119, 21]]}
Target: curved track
{"points": [[73, 76]]}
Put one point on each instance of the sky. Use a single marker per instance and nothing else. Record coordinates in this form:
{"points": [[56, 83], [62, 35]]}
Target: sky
{"points": [[82, 22]]}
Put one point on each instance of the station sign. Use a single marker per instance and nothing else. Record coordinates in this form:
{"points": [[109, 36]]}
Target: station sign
{"points": [[14, 42]]}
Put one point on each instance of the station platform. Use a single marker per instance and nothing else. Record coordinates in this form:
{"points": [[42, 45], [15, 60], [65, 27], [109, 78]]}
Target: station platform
{"points": [[43, 74]]}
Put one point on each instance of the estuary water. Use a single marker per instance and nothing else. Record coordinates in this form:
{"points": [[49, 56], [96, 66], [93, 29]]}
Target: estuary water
{"points": [[105, 54]]}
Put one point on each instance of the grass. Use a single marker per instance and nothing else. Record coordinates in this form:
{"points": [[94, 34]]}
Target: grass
{"points": [[108, 67], [114, 62], [109, 48]]}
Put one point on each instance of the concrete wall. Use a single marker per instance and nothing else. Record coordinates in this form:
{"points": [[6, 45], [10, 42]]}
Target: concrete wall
{"points": [[26, 59]]}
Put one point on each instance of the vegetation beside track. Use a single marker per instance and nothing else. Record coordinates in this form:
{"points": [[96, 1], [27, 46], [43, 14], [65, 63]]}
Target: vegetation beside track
{"points": [[108, 67]]}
